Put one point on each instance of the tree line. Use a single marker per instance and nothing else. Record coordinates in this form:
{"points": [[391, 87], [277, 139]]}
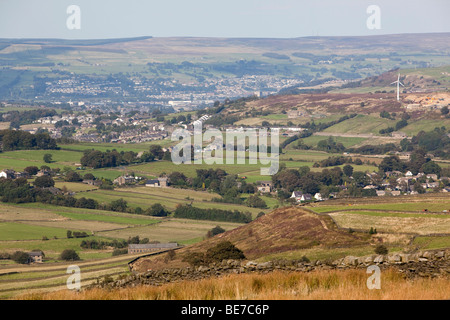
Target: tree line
{"points": [[113, 158], [23, 140]]}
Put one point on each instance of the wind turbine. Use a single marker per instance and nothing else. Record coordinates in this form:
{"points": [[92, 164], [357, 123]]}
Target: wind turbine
{"points": [[398, 86]]}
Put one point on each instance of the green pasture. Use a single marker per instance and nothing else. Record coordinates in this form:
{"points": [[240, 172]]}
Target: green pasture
{"points": [[361, 124]]}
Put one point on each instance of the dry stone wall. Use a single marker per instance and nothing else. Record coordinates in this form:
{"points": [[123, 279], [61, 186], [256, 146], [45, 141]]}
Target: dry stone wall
{"points": [[422, 263]]}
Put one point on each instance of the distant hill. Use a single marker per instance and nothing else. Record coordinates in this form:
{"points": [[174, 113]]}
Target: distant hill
{"points": [[191, 62]]}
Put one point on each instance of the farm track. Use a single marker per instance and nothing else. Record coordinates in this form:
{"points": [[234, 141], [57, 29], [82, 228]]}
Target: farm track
{"points": [[63, 266], [55, 286], [388, 211], [96, 273], [63, 274]]}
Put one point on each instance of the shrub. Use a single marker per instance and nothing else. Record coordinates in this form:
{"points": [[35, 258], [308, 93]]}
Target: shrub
{"points": [[44, 182], [195, 259], [117, 252], [381, 249], [217, 230], [20, 257], [157, 210], [69, 255], [256, 202], [222, 251]]}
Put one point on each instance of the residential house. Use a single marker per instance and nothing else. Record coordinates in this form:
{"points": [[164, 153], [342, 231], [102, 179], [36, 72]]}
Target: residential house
{"points": [[306, 197], [36, 256], [318, 197], [8, 174], [42, 173], [265, 186], [381, 193], [432, 185], [301, 197], [93, 182], [297, 195], [152, 183], [157, 183], [163, 182], [122, 180]]}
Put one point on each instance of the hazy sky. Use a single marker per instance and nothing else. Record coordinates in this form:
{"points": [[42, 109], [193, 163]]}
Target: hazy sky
{"points": [[225, 18]]}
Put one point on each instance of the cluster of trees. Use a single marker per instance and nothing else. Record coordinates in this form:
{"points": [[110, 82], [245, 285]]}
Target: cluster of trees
{"points": [[375, 149], [113, 158], [330, 145], [289, 180], [336, 161], [98, 159], [22, 140], [76, 234], [418, 162], [17, 191], [436, 142], [228, 186], [102, 244], [18, 118], [189, 212], [398, 126]]}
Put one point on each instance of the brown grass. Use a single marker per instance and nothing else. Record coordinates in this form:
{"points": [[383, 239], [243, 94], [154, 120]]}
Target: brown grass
{"points": [[317, 285]]}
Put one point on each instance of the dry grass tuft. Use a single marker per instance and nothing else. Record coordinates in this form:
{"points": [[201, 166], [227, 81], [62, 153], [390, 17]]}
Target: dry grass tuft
{"points": [[317, 285]]}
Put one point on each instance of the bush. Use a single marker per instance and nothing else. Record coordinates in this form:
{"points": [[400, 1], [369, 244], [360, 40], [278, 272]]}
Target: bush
{"points": [[44, 182], [215, 231], [157, 210], [69, 255], [256, 202], [117, 252], [381, 249], [195, 259], [222, 251], [20, 257]]}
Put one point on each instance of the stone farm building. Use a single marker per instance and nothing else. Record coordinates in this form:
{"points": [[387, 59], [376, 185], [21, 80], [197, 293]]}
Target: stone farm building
{"points": [[36, 256], [265, 186], [158, 183], [151, 247]]}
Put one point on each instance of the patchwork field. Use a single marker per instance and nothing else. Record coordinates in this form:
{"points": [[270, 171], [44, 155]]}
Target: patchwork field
{"points": [[420, 221]]}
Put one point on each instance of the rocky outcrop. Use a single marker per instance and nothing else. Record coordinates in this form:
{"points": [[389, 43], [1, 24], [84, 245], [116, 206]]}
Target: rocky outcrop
{"points": [[423, 263]]}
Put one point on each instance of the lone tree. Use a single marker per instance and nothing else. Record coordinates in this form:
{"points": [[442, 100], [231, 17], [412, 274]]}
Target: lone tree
{"points": [[69, 255], [348, 170], [20, 257], [44, 182], [256, 202], [48, 158], [157, 210], [31, 170]]}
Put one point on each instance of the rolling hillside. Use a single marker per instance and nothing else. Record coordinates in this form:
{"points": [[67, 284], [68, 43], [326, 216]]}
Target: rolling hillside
{"points": [[282, 231]]}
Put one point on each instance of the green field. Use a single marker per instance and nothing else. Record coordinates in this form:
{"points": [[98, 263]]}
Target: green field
{"points": [[361, 124], [346, 141]]}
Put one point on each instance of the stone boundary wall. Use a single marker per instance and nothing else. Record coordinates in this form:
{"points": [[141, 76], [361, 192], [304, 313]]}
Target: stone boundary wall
{"points": [[430, 263]]}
